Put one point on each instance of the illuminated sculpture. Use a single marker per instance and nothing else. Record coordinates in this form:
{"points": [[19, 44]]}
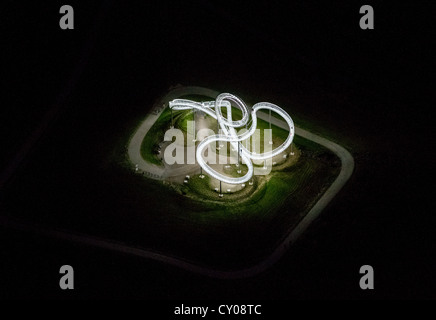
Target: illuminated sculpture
{"points": [[229, 133]]}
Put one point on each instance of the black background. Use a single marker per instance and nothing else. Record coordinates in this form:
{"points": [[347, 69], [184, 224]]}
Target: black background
{"points": [[373, 85]]}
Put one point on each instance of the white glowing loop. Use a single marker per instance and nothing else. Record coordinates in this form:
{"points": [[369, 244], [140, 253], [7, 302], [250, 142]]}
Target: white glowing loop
{"points": [[229, 133]]}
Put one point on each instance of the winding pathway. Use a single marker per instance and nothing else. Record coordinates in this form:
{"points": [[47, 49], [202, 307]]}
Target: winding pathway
{"points": [[347, 167]]}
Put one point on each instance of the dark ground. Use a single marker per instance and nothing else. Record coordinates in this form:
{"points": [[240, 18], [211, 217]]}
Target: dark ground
{"points": [[370, 86]]}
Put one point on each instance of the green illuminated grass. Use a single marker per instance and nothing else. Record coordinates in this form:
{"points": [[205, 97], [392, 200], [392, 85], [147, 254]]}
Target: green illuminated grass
{"points": [[155, 135], [266, 194]]}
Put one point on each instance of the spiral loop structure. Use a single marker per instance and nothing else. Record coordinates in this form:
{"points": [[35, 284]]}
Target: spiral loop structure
{"points": [[228, 128]]}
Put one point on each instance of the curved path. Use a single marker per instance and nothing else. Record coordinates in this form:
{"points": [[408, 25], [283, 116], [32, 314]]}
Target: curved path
{"points": [[134, 148], [347, 167]]}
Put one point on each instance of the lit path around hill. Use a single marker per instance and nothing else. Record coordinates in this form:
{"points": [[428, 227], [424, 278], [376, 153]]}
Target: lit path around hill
{"points": [[347, 167]]}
